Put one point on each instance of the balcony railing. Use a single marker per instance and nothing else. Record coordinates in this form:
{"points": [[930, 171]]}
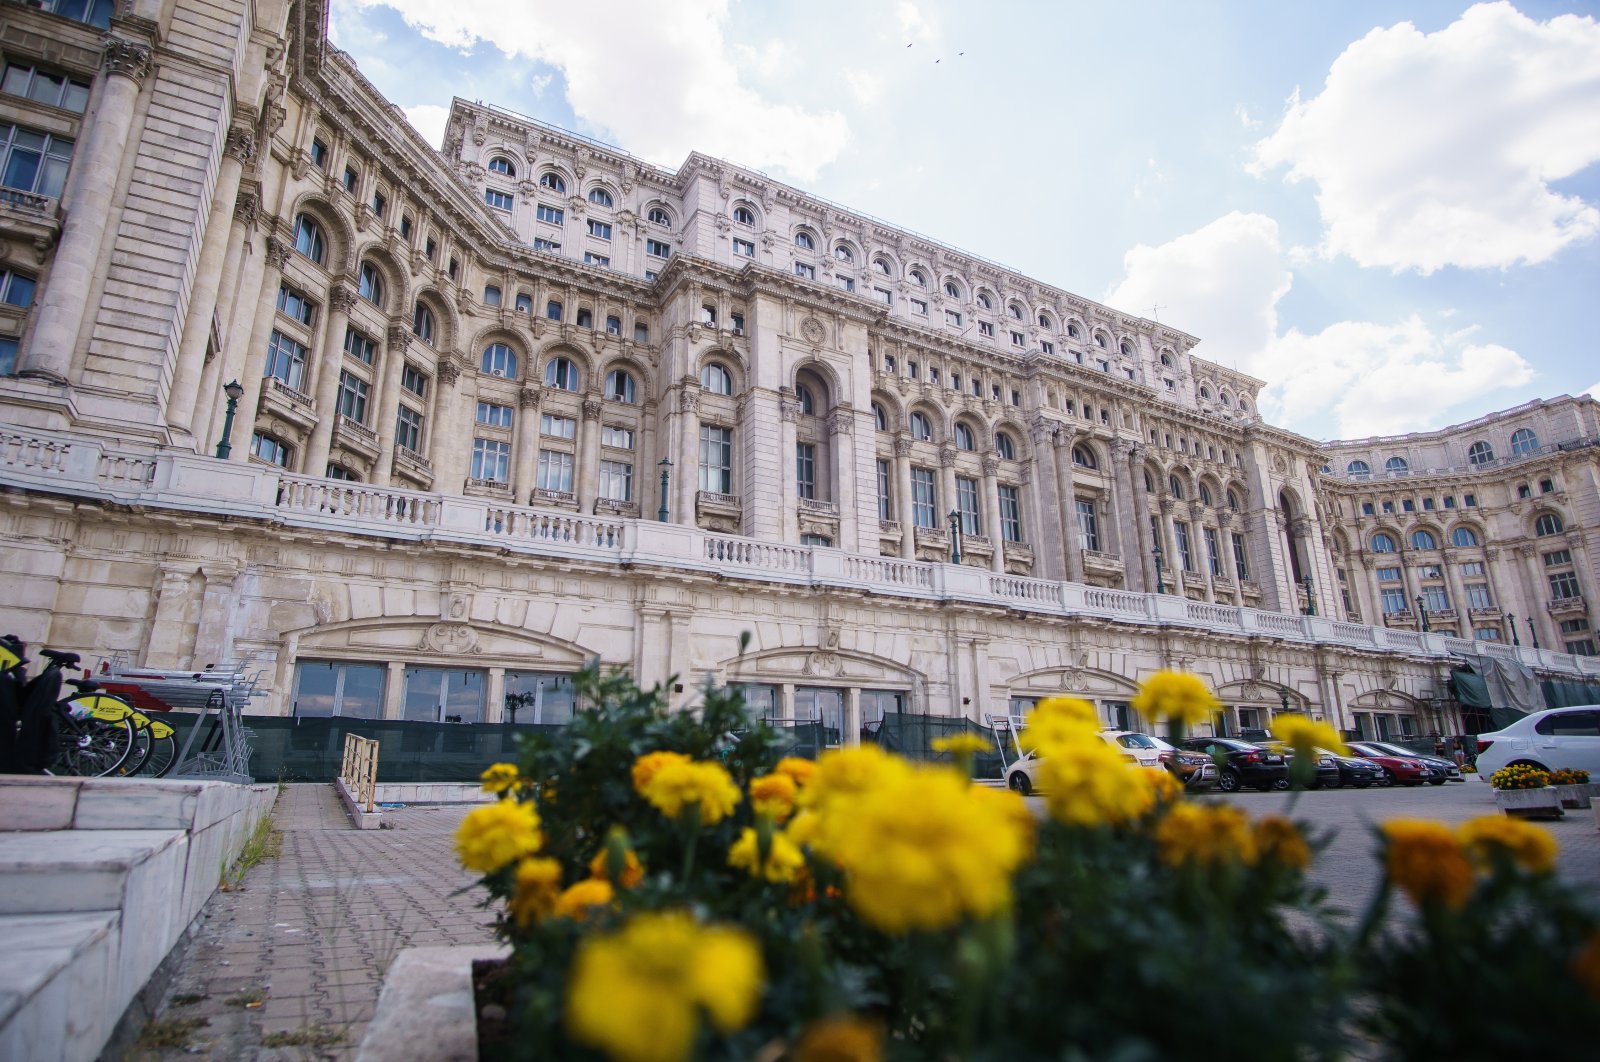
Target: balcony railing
{"points": [[26, 202]]}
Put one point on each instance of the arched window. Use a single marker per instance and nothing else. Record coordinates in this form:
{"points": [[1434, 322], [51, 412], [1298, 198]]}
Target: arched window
{"points": [[808, 404], [1382, 543], [1072, 331], [843, 253], [1100, 340], [715, 379], [1524, 441], [951, 290], [880, 418], [1175, 486], [1358, 468], [1015, 310], [1548, 524], [1044, 321], [1007, 448], [422, 323], [1464, 536], [1396, 464], [1480, 453], [1149, 484], [561, 374], [803, 240], [1126, 348], [1205, 494], [601, 198], [1205, 392], [985, 301], [964, 438], [271, 449], [708, 315], [371, 284], [553, 182], [1166, 359], [620, 387], [918, 277], [613, 325], [1083, 457], [552, 310], [657, 216], [1233, 500], [500, 360], [585, 318], [1423, 540], [882, 265], [308, 239], [744, 216], [503, 166], [920, 428]]}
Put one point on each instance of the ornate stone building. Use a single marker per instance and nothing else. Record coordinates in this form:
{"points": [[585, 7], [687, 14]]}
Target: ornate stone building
{"points": [[528, 400]]}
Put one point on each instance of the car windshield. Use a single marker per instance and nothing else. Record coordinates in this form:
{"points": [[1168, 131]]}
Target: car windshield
{"points": [[1164, 746], [1137, 741], [1390, 750], [1237, 746]]}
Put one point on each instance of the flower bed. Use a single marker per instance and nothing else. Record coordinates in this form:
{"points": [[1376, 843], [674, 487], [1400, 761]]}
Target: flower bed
{"points": [[1569, 776], [1519, 776], [672, 891]]}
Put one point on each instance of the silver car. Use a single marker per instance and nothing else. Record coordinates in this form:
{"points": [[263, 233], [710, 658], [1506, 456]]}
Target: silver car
{"points": [[1548, 740]]}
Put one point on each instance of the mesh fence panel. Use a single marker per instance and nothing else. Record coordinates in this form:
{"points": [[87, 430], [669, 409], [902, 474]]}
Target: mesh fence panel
{"points": [[912, 736]]}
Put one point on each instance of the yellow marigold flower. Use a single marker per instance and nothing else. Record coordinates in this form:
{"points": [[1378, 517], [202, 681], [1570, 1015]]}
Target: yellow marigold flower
{"points": [[1176, 696], [706, 785], [848, 772], [1280, 841], [797, 768], [632, 869], [1205, 835], [1013, 808], [784, 858], [1586, 965], [1163, 783], [1530, 847], [1305, 734], [773, 795], [1087, 783], [646, 766], [496, 834], [842, 1038], [1059, 720], [580, 896], [920, 850], [537, 886], [637, 994], [802, 829], [1425, 860], [962, 745], [500, 778]]}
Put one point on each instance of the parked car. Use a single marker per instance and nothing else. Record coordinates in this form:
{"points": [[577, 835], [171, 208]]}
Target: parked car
{"points": [[1443, 770], [1242, 764], [1146, 749], [1353, 770], [1195, 770], [1022, 774], [1327, 774], [1548, 740], [1397, 770]]}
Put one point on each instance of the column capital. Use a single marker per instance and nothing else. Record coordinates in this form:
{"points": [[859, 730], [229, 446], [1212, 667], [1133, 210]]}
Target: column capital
{"points": [[247, 203], [947, 457], [122, 57], [241, 143], [902, 445], [277, 252], [529, 396], [991, 465], [342, 297], [591, 409], [399, 337], [448, 372], [842, 421]]}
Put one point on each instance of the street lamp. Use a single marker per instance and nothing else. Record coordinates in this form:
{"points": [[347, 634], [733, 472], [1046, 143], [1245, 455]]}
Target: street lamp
{"points": [[1311, 602], [1161, 587], [235, 391], [1283, 695], [1513, 621], [666, 470], [1423, 612], [955, 537]]}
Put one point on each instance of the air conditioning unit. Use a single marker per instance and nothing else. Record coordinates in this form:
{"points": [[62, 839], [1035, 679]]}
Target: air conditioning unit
{"points": [[498, 372]]}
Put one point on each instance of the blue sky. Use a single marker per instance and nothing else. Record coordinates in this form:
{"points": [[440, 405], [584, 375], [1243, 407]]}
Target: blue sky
{"points": [[1388, 211]]}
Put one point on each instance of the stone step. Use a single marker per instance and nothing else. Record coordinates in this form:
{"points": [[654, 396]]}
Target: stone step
{"points": [[54, 983], [113, 803]]}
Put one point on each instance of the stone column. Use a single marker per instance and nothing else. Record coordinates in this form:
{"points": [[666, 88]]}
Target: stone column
{"points": [[89, 198], [1128, 496], [243, 301], [1458, 591], [991, 502], [1044, 505], [255, 360], [494, 696], [589, 455], [214, 636], [788, 439], [902, 501], [1067, 491], [1202, 552], [841, 434], [852, 717], [1229, 565], [1535, 590], [329, 362], [686, 477], [526, 458], [394, 691], [1374, 616], [1586, 571], [444, 449], [239, 149], [1171, 558], [164, 647], [947, 498], [394, 360]]}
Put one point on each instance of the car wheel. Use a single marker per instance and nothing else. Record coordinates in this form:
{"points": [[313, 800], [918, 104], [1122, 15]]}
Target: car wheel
{"points": [[1362, 783], [1280, 783], [1335, 782], [1020, 783], [1437, 781], [1388, 777], [1228, 781]]}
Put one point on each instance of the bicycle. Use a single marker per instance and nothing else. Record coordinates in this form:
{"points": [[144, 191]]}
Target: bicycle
{"points": [[45, 733], [155, 748]]}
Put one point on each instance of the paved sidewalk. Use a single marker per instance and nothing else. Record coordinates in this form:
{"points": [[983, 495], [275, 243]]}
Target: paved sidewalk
{"points": [[307, 939]]}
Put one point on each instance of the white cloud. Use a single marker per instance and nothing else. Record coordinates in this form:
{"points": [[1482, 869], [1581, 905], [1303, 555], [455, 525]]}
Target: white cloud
{"points": [[913, 23], [1594, 389], [665, 87], [429, 119], [1438, 149], [866, 88], [1222, 283]]}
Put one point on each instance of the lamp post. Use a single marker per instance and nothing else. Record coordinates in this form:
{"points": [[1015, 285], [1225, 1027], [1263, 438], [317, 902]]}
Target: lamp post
{"points": [[1161, 587], [666, 471], [235, 391], [1283, 695], [955, 537], [1511, 619], [1533, 632], [1423, 613], [1311, 602]]}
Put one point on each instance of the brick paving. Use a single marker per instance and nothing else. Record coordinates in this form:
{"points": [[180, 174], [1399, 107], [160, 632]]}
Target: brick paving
{"points": [[311, 933]]}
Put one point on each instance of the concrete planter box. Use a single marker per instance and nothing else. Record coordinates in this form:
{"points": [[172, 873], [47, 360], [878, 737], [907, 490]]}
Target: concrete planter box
{"points": [[426, 1011], [1576, 796], [1529, 803]]}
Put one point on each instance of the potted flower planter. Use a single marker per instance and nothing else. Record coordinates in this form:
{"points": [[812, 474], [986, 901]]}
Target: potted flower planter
{"points": [[1576, 796], [1543, 803]]}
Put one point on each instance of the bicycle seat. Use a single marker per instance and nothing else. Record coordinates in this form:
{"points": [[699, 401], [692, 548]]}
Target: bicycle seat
{"points": [[59, 658], [83, 685]]}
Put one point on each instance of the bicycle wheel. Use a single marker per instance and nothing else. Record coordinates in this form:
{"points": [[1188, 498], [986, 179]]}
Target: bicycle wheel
{"points": [[163, 751], [90, 748], [143, 746]]}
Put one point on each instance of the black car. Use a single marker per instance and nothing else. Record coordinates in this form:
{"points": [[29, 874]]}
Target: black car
{"points": [[1443, 770], [1243, 764], [1353, 770], [1327, 774]]}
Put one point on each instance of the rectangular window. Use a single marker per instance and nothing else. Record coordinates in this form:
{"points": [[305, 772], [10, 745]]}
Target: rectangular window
{"points": [[1388, 575], [1394, 600], [805, 470], [922, 503], [590, 258], [1468, 500], [1427, 504], [408, 429], [326, 689], [600, 230], [319, 154], [493, 415], [1563, 585], [1557, 557], [952, 317], [1450, 503], [641, 332], [542, 244], [616, 480], [1088, 526], [658, 248], [1213, 552], [42, 86], [1486, 634], [1547, 486], [845, 283], [412, 380], [380, 204], [986, 328], [33, 162], [549, 214], [351, 179], [1472, 568], [967, 504], [1408, 505], [716, 459], [555, 471], [8, 355], [1241, 563], [16, 289], [801, 269], [1574, 626], [744, 248], [557, 427], [885, 510], [919, 307], [491, 295], [405, 226], [1478, 596], [286, 360], [736, 323], [353, 397], [294, 305], [1435, 599], [1047, 347], [491, 460], [1180, 531], [884, 295], [1010, 514], [360, 346], [1016, 339], [620, 438], [1388, 506], [1582, 647]]}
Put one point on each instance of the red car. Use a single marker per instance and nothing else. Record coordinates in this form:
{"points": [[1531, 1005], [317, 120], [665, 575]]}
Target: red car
{"points": [[1397, 770]]}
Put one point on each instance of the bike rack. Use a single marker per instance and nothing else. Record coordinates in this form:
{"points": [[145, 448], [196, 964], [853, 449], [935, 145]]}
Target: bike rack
{"points": [[218, 696]]}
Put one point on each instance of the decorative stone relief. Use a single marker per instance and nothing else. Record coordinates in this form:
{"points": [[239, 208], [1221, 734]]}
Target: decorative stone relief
{"points": [[812, 331], [450, 639], [124, 58]]}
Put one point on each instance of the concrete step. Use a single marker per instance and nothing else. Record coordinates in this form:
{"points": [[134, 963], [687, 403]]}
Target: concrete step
{"points": [[52, 985]]}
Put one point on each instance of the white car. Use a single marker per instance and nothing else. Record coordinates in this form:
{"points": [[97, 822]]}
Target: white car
{"points": [[1552, 739], [1022, 775]]}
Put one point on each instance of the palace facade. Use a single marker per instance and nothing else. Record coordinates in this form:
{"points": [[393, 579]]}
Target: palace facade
{"points": [[415, 431]]}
